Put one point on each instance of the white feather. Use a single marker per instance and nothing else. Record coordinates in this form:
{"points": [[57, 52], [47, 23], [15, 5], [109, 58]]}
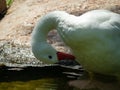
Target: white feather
{"points": [[94, 38]]}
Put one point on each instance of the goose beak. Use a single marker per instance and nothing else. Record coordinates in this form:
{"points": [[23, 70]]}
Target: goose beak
{"points": [[65, 56]]}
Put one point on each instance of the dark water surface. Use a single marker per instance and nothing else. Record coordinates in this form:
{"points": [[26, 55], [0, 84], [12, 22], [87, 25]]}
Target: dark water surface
{"points": [[40, 84], [52, 78], [15, 77]]}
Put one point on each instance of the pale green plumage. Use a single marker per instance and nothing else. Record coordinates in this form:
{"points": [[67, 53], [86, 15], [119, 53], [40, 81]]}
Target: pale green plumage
{"points": [[94, 38]]}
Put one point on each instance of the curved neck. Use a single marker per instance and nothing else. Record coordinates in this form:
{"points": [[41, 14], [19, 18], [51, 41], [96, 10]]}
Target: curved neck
{"points": [[47, 23]]}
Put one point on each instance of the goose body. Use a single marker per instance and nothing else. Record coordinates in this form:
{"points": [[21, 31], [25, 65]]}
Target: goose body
{"points": [[93, 37]]}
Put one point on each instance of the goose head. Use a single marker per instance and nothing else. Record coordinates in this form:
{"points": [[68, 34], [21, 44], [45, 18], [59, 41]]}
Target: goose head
{"points": [[46, 53], [43, 51]]}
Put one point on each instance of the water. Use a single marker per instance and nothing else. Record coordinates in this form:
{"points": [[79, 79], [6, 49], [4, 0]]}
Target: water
{"points": [[27, 77], [41, 84], [52, 78], [59, 83]]}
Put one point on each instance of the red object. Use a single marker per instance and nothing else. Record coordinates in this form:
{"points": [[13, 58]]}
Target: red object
{"points": [[65, 56]]}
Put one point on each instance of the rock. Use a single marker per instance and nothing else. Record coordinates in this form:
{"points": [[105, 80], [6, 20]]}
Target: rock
{"points": [[18, 23]]}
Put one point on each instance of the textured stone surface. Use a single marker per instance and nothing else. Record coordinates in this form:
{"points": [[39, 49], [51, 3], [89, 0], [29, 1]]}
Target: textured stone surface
{"points": [[18, 23]]}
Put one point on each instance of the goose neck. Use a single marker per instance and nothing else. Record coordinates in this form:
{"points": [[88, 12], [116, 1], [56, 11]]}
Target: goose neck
{"points": [[47, 23]]}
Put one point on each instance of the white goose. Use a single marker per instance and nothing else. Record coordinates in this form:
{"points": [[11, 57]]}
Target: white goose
{"points": [[94, 38]]}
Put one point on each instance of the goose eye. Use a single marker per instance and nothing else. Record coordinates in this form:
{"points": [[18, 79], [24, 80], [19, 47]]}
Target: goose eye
{"points": [[50, 57]]}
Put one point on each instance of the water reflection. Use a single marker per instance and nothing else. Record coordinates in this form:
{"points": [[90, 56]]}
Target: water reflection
{"points": [[34, 78], [94, 85], [98, 82], [53, 78], [60, 83], [41, 84]]}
